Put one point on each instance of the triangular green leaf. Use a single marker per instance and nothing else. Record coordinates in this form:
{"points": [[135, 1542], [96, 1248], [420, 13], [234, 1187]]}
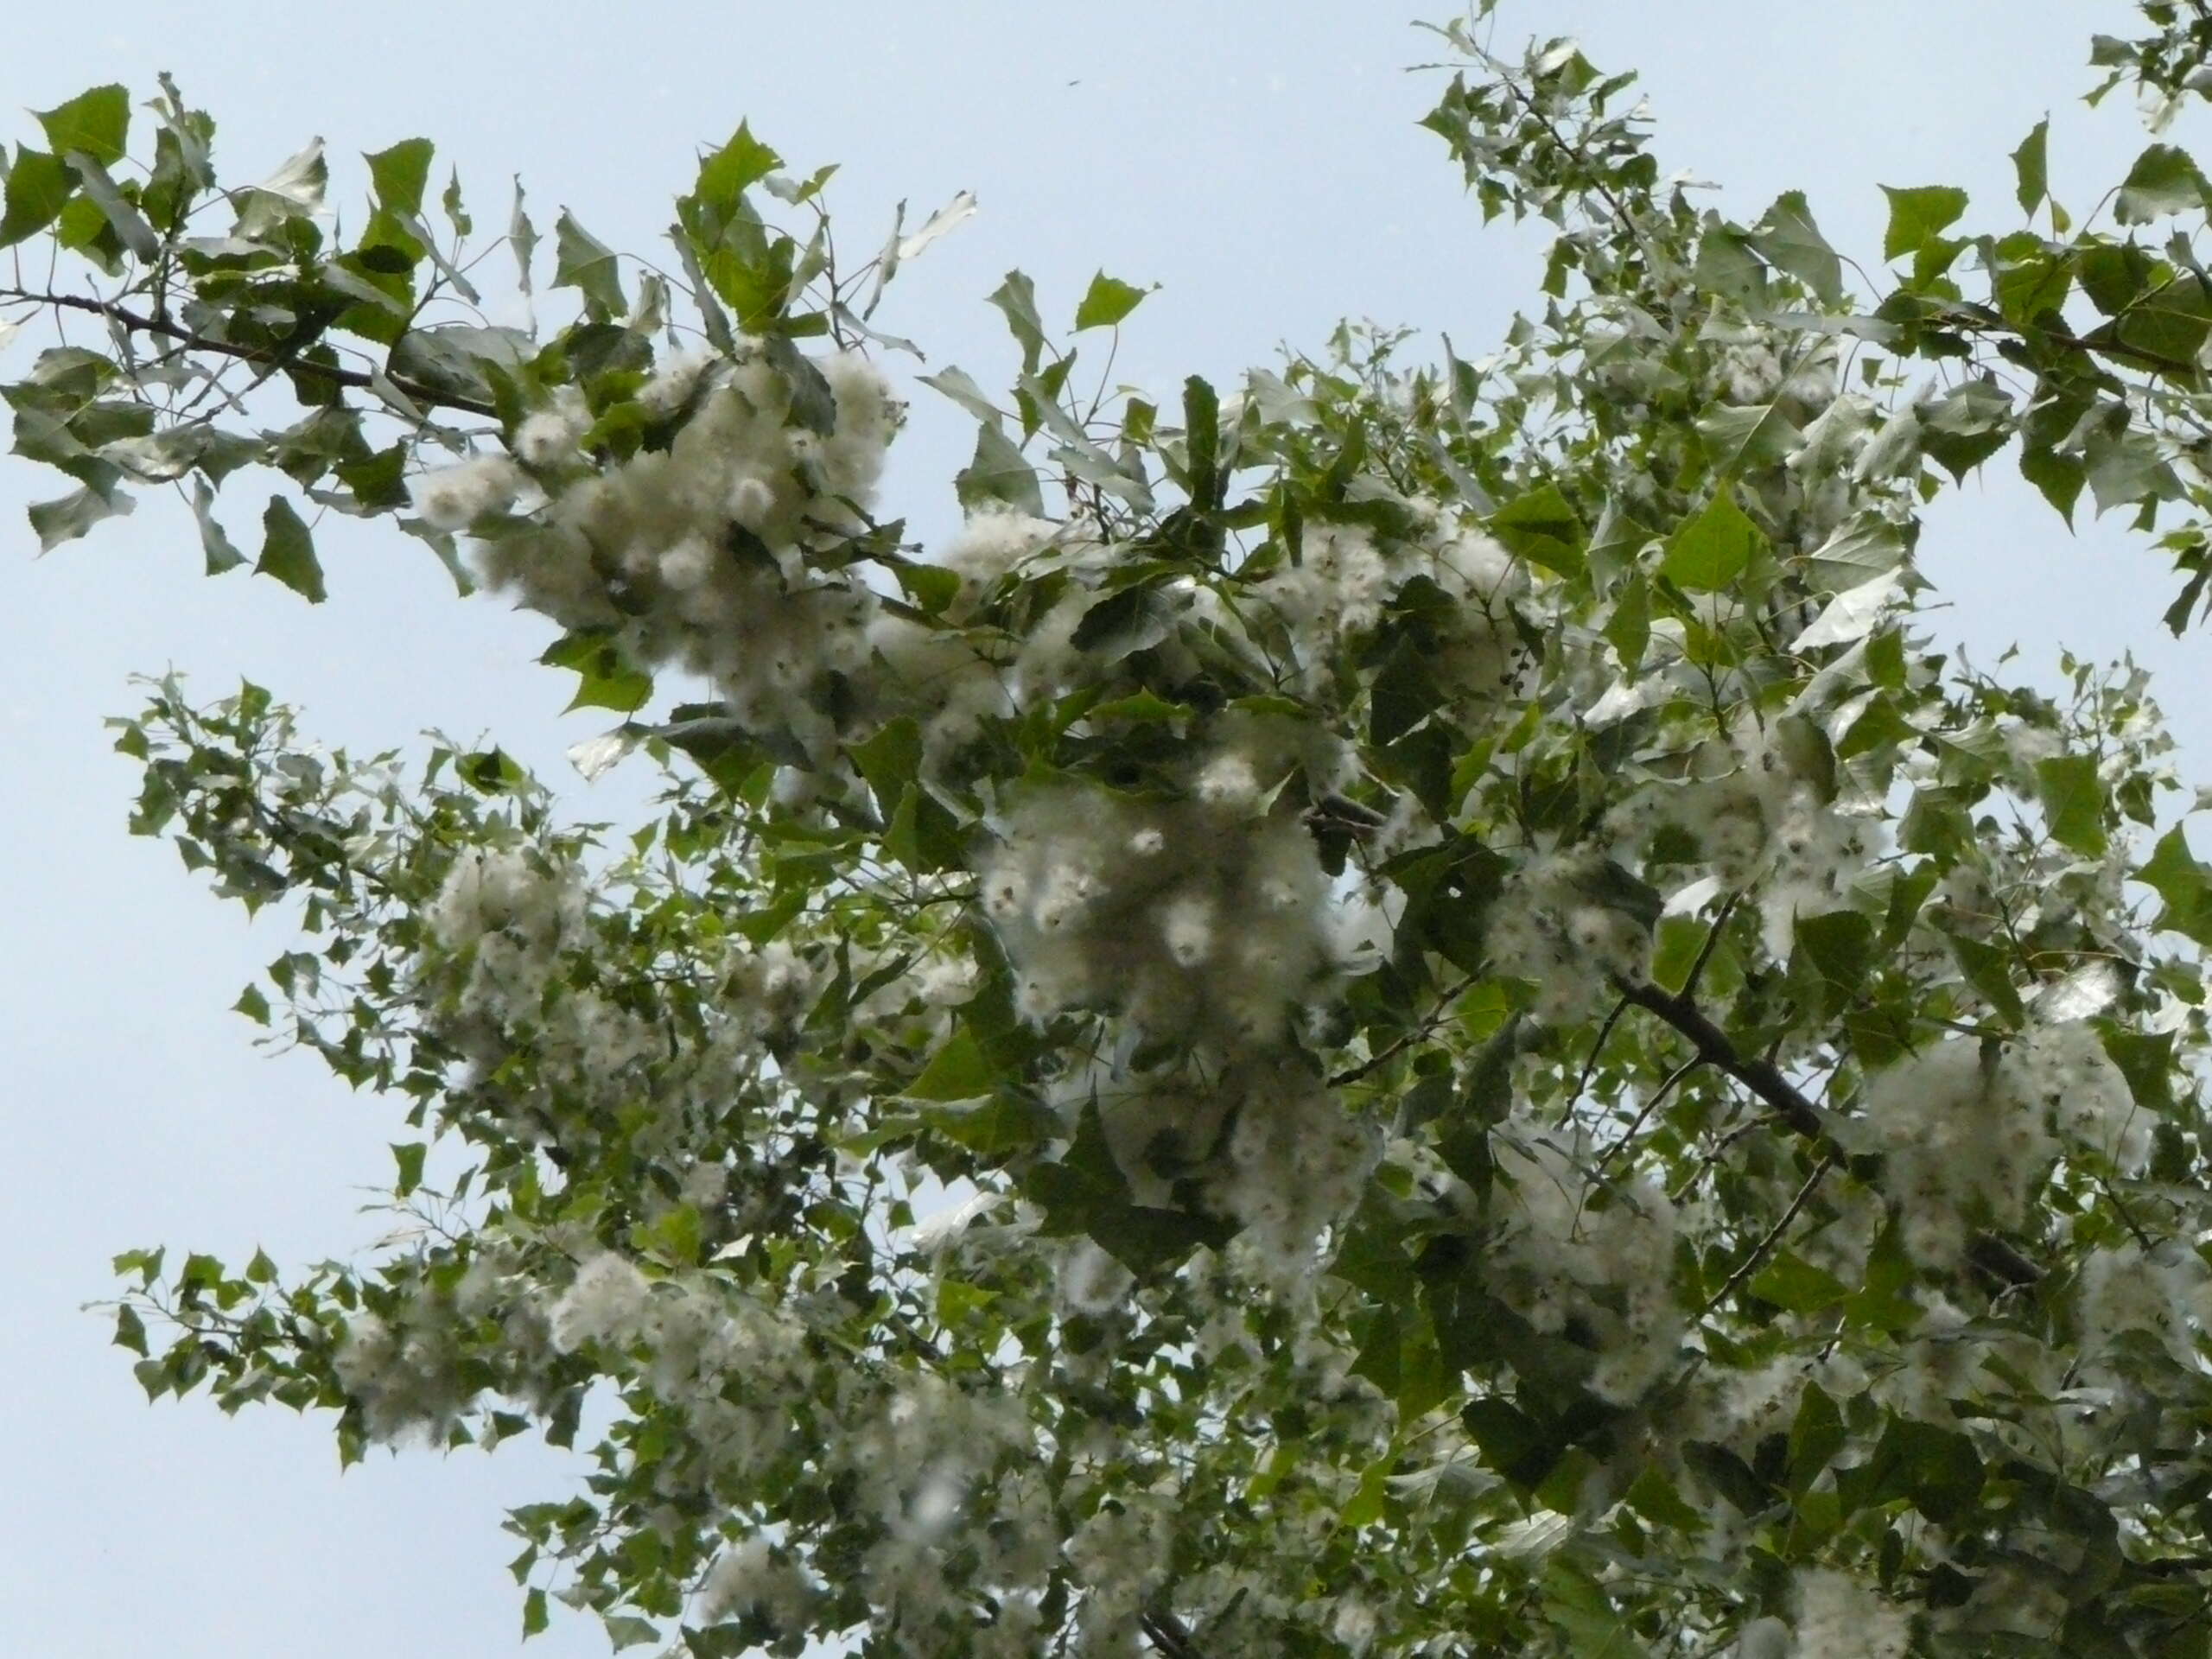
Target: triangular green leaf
{"points": [[1918, 214], [287, 551], [1107, 301], [1713, 549], [98, 122]]}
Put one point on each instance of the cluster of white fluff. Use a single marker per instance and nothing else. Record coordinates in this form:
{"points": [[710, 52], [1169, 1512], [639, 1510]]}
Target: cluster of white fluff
{"points": [[1201, 918], [950, 679], [513, 913], [1119, 1556], [757, 1577], [1591, 1264], [1964, 1126], [608, 1301], [1345, 578], [1840, 1618], [1296, 1164], [1551, 925], [654, 548], [1740, 1408], [1758, 817], [2165, 1291], [456, 497], [552, 436], [406, 1377]]}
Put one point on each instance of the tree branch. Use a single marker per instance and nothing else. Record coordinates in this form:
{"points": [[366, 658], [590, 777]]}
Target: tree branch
{"points": [[138, 323], [1764, 1078]]}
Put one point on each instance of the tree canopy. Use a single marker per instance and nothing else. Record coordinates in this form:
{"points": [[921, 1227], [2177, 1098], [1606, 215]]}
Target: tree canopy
{"points": [[1401, 1009]]}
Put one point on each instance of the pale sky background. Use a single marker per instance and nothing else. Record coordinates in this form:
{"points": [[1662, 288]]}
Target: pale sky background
{"points": [[1257, 158]]}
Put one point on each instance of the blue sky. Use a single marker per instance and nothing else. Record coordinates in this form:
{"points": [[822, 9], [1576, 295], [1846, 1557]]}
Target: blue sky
{"points": [[1258, 160]]}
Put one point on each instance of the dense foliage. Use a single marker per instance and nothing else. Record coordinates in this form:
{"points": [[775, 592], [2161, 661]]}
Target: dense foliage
{"points": [[1404, 1009]]}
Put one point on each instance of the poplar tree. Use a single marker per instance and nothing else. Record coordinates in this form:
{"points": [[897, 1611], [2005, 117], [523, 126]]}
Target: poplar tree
{"points": [[1401, 1008]]}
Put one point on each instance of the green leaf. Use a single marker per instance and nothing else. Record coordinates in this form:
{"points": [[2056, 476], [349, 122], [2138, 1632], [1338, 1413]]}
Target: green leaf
{"points": [[2029, 165], [1988, 968], [2163, 181], [1788, 240], [1578, 1607], [253, 1005], [1542, 529], [533, 1614], [1936, 1470], [890, 760], [287, 551], [96, 122], [71, 516], [1737, 437], [2073, 802], [130, 1331], [1797, 1286], [605, 678], [121, 213], [1016, 297], [582, 262], [2175, 875], [959, 1070], [999, 473], [1107, 301], [1406, 693], [1711, 550], [409, 1157], [399, 174], [1814, 1438], [38, 187], [1629, 627], [217, 547], [1202, 438], [1919, 214], [729, 172]]}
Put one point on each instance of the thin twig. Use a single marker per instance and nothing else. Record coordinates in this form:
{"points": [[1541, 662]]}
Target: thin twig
{"points": [[138, 323], [1749, 1263], [1382, 1057]]}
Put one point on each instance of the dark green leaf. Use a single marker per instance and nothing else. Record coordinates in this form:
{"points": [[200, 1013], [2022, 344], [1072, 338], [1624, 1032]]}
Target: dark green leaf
{"points": [[999, 473], [1815, 1437], [2163, 181], [1988, 968], [38, 187], [409, 1158], [1202, 429], [2073, 802], [2028, 163], [958, 1070], [287, 551], [1543, 529], [1797, 1286], [582, 262], [1790, 241], [1016, 297]]}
